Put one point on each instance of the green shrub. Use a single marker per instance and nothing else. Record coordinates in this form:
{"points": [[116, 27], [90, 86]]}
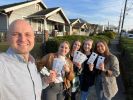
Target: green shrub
{"points": [[52, 44], [110, 34], [3, 46], [127, 59]]}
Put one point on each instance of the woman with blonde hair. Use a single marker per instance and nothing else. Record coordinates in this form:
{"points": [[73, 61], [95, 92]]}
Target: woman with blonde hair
{"points": [[61, 73], [88, 73]]}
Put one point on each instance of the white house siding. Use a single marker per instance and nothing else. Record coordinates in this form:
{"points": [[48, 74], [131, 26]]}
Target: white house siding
{"points": [[34, 25], [75, 31], [57, 18], [3, 23], [22, 13], [83, 32]]}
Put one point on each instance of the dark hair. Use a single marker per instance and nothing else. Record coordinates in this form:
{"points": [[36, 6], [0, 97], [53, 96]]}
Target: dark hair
{"points": [[82, 47], [107, 53]]}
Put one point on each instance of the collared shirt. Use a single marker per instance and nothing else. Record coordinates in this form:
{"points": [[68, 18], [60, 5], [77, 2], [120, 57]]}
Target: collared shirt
{"points": [[19, 80]]}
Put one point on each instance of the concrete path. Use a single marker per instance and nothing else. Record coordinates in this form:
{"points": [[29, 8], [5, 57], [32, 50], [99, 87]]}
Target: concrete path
{"points": [[120, 95]]}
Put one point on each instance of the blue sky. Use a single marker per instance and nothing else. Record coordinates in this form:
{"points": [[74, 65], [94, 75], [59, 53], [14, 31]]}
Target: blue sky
{"points": [[93, 11]]}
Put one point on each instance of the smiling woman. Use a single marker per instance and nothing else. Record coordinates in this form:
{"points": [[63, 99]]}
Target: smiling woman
{"points": [[61, 73], [107, 73]]}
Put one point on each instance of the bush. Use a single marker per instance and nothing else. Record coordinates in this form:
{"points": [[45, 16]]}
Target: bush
{"points": [[110, 34], [53, 44], [127, 60]]}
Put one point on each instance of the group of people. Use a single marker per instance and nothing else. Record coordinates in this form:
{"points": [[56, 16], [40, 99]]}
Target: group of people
{"points": [[20, 77]]}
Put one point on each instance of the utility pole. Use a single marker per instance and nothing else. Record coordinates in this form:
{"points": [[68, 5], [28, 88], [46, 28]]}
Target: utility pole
{"points": [[108, 26], [125, 7], [119, 26]]}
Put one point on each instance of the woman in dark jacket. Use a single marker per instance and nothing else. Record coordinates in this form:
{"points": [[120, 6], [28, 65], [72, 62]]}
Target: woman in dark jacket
{"points": [[77, 69]]}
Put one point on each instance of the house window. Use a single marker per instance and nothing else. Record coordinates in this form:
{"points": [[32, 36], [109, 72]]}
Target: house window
{"points": [[82, 30], [56, 27]]}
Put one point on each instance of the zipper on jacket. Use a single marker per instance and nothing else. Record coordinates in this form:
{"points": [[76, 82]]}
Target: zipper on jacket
{"points": [[32, 81]]}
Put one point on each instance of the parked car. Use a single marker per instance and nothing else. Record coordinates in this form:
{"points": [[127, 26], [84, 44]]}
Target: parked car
{"points": [[130, 35]]}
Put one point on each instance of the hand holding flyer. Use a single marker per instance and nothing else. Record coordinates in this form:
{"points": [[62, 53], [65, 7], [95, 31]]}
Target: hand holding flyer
{"points": [[45, 71], [79, 57], [92, 58], [99, 61]]}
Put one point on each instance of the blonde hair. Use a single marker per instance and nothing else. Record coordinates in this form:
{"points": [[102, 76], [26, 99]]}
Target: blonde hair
{"points": [[66, 43]]}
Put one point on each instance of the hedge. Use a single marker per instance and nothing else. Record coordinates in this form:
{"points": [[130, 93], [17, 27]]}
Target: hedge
{"points": [[127, 61], [52, 44]]}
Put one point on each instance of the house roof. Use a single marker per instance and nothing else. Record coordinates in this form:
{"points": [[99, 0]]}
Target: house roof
{"points": [[10, 7], [48, 12], [72, 21], [79, 25], [44, 12]]}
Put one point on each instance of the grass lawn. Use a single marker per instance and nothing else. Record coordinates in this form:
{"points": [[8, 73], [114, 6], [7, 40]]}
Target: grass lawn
{"points": [[3, 46]]}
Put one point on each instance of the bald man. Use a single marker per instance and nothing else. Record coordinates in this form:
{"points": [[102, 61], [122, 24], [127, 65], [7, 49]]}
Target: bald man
{"points": [[19, 79]]}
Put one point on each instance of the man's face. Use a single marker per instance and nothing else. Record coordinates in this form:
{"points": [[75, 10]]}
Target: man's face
{"points": [[21, 37]]}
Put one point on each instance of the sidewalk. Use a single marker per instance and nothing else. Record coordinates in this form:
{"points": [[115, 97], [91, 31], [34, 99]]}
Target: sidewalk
{"points": [[120, 95]]}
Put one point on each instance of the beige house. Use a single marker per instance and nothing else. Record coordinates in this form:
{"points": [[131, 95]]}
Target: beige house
{"points": [[42, 19], [77, 27]]}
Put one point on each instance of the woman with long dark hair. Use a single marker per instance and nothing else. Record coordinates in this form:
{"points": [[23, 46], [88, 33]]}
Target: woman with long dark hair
{"points": [[106, 85], [77, 70]]}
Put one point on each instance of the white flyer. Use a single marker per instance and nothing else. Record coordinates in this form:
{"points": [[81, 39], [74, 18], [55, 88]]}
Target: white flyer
{"points": [[99, 61], [58, 65], [92, 58], [75, 57], [45, 71], [79, 57]]}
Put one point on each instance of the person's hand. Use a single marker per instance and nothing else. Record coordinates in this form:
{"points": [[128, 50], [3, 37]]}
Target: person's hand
{"points": [[101, 67], [91, 66], [52, 75], [109, 73], [46, 79], [78, 65], [66, 68]]}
